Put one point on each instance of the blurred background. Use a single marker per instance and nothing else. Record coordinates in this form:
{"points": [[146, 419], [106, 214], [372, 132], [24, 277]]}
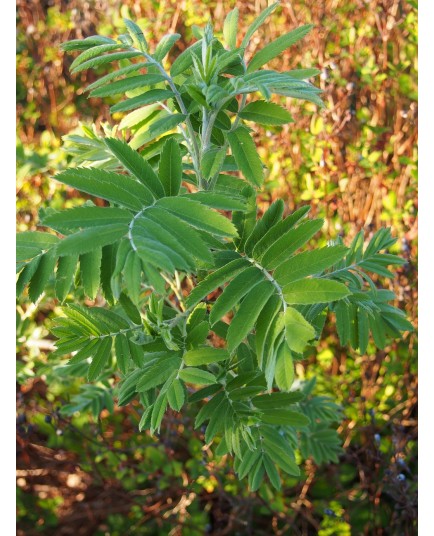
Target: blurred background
{"points": [[355, 163]]}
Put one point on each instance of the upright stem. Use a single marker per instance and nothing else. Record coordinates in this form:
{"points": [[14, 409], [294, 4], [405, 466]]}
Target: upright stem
{"points": [[195, 153]]}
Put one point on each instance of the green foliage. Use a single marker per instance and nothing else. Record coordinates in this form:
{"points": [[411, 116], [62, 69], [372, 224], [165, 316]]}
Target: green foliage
{"points": [[162, 236]]}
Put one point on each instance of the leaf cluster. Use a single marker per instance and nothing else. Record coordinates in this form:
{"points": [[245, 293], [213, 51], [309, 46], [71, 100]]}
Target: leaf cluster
{"points": [[207, 303]]}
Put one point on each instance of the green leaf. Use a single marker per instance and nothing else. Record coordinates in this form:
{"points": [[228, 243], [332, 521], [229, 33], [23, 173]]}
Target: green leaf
{"points": [[277, 46], [163, 239], [219, 201], [90, 270], [66, 268], [212, 161], [205, 356], [284, 372], [159, 371], [277, 230], [250, 458], [158, 412], [256, 475], [308, 291], [271, 217], [42, 275], [244, 151], [197, 335], [154, 95], [208, 409], [298, 331], [32, 243], [257, 23], [197, 376], [187, 237], [122, 353], [88, 42], [199, 216], [215, 280], [266, 113], [272, 401], [164, 46], [100, 358], [116, 74], [127, 84], [184, 61], [264, 324], [136, 165], [88, 239], [271, 471], [156, 129], [289, 242], [308, 263], [113, 187], [92, 53], [176, 395], [102, 60], [247, 314], [170, 169], [284, 417], [235, 291], [136, 34], [230, 27], [84, 217]]}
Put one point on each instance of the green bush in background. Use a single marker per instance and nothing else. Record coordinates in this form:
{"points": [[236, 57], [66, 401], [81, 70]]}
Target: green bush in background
{"points": [[354, 162]]}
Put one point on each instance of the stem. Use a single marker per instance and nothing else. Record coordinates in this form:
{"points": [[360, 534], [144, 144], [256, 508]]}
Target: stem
{"points": [[214, 179], [195, 153], [131, 225], [271, 279]]}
